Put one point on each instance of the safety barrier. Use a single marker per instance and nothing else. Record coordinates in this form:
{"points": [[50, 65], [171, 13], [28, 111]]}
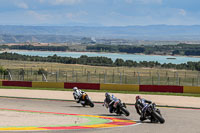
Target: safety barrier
{"points": [[119, 87], [90, 86], [161, 88], [97, 86], [48, 84], [17, 83], [191, 89]]}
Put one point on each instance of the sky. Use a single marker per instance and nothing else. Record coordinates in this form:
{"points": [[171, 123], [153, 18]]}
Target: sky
{"points": [[99, 12]]}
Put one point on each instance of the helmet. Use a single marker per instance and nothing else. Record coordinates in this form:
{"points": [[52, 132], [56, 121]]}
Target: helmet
{"points": [[75, 88], [107, 94], [137, 97]]}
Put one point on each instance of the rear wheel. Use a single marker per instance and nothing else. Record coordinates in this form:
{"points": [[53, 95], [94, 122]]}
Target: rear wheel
{"points": [[90, 103], [125, 111], [158, 117]]}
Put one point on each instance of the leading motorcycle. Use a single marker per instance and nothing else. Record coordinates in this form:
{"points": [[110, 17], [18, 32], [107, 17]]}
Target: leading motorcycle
{"points": [[86, 100]]}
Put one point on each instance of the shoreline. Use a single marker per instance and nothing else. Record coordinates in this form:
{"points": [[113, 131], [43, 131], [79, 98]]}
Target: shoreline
{"points": [[173, 56]]}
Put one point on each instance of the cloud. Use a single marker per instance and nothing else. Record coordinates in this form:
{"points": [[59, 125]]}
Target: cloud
{"points": [[149, 1], [39, 16], [76, 15], [61, 2], [182, 12], [129, 1], [22, 5]]}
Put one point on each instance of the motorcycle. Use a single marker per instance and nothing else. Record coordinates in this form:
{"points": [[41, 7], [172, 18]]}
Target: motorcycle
{"points": [[118, 107], [153, 114], [86, 100]]}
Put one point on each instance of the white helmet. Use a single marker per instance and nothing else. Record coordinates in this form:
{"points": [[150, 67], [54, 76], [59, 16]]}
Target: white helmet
{"points": [[75, 88]]}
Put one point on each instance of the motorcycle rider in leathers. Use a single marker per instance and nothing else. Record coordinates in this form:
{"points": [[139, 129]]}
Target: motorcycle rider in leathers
{"points": [[78, 95], [109, 102], [141, 106]]}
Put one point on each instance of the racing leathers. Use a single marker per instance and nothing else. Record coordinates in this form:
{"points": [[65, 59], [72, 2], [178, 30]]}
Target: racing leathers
{"points": [[78, 95], [109, 102], [141, 106]]}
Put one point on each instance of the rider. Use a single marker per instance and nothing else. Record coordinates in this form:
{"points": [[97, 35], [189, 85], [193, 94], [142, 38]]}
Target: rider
{"points": [[141, 106], [78, 94], [109, 102]]}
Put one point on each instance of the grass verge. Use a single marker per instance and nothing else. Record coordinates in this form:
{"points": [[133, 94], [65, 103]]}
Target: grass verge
{"points": [[110, 91]]}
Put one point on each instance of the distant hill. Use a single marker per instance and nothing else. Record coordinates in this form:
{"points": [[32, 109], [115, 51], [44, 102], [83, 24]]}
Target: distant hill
{"points": [[66, 33]]}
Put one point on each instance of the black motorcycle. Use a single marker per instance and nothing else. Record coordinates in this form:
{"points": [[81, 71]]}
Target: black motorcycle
{"points": [[153, 114], [85, 100], [120, 108]]}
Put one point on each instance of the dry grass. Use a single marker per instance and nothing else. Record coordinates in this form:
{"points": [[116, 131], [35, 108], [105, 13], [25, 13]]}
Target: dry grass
{"points": [[96, 74]]}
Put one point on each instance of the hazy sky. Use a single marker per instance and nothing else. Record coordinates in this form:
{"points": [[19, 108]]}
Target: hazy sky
{"points": [[99, 12]]}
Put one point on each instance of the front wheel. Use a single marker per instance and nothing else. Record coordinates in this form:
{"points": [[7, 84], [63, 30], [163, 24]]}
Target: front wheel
{"points": [[158, 117], [125, 111]]}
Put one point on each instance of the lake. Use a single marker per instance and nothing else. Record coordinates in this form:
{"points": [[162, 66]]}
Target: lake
{"points": [[160, 58]]}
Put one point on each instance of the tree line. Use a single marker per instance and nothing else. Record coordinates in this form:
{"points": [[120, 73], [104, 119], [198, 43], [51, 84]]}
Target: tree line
{"points": [[99, 61], [178, 49], [32, 47]]}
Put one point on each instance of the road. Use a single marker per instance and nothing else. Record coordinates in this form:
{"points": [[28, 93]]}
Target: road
{"points": [[177, 120]]}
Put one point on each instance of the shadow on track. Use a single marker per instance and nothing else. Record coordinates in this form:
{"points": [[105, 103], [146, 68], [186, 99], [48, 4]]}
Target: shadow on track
{"points": [[78, 106], [108, 115]]}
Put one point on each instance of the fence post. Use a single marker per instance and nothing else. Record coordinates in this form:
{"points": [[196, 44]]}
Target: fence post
{"points": [[152, 80], [27, 74], [113, 76], [56, 76], [120, 77], [177, 79], [31, 71], [138, 78], [125, 79], [192, 81], [36, 76], [168, 80], [198, 79], [73, 75], [88, 76], [158, 78], [99, 78], [66, 76], [105, 74], [76, 77]]}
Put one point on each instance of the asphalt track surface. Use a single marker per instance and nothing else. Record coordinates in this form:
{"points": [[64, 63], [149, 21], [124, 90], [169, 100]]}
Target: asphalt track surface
{"points": [[177, 120]]}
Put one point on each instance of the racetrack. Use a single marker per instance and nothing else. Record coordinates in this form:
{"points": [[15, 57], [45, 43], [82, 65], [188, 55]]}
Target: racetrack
{"points": [[177, 120]]}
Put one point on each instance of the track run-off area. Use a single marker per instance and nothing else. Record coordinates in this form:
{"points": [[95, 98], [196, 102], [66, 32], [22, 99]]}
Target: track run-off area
{"points": [[49, 116]]}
